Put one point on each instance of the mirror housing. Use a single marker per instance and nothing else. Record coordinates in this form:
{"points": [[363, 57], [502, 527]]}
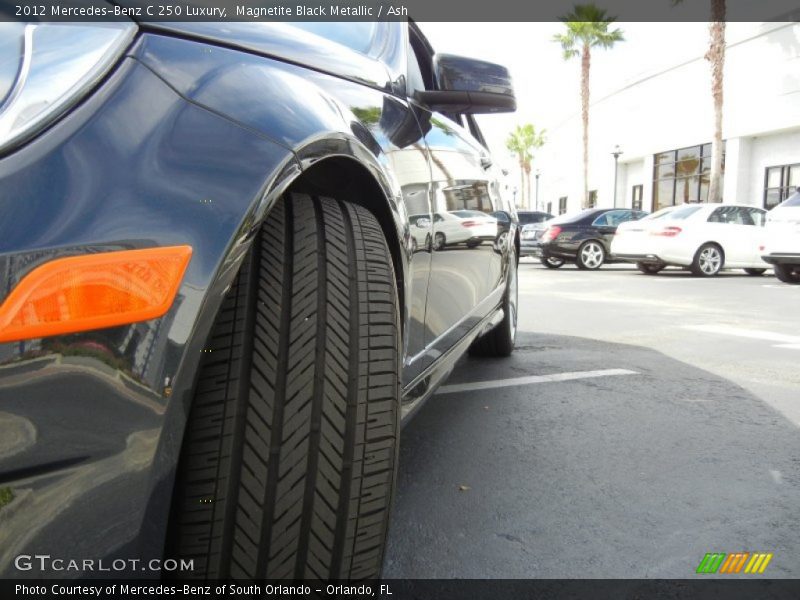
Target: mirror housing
{"points": [[423, 222], [469, 86]]}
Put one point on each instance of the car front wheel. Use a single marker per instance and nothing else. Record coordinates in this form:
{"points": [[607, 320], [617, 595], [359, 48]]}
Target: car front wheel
{"points": [[649, 269], [500, 340], [788, 273], [290, 452], [552, 263]]}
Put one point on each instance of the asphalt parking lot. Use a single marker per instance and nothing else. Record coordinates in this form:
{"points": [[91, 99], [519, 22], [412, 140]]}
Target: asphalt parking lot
{"points": [[652, 420]]}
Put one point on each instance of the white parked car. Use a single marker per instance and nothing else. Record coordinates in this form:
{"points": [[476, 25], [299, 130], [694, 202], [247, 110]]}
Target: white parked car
{"points": [[449, 229], [704, 238], [420, 226], [782, 240], [482, 226]]}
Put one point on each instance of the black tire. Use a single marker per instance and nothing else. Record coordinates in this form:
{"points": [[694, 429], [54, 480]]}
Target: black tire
{"points": [[500, 340], [755, 272], [474, 243], [439, 240], [552, 263], [290, 452], [598, 255], [788, 273], [649, 269], [708, 260]]}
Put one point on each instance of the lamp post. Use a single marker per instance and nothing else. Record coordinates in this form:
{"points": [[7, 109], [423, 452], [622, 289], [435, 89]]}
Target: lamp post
{"points": [[616, 154], [537, 188]]}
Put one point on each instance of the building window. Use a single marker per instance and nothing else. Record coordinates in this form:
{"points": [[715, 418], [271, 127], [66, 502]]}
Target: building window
{"points": [[562, 205], [592, 199], [683, 175], [550, 208], [780, 183], [636, 197]]}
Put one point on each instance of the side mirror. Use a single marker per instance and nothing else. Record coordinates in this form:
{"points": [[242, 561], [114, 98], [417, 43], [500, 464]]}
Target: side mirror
{"points": [[423, 223], [469, 86]]}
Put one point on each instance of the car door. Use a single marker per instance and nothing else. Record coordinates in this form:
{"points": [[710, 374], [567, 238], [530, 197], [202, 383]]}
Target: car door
{"points": [[605, 226], [726, 226], [461, 179], [755, 219]]}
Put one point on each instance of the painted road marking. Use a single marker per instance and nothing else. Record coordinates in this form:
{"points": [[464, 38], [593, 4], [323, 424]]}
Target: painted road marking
{"points": [[783, 340], [515, 381]]}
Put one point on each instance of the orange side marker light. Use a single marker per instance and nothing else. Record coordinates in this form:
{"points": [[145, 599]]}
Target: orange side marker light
{"points": [[93, 291]]}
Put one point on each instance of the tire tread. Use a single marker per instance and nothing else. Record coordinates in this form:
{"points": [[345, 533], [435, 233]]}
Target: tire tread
{"points": [[291, 442]]}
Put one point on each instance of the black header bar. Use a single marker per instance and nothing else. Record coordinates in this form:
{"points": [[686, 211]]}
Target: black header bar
{"points": [[383, 10]]}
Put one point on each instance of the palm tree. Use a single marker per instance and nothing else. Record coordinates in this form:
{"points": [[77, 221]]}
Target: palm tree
{"points": [[587, 27], [716, 56], [522, 141]]}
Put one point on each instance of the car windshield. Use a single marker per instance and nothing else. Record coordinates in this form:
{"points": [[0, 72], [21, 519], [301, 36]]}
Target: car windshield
{"points": [[793, 200], [683, 212], [532, 217], [659, 213], [468, 213], [572, 217]]}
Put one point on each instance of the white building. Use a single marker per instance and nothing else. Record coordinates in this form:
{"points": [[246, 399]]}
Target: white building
{"points": [[662, 120]]}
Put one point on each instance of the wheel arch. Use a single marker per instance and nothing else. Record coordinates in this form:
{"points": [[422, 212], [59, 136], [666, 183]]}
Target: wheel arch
{"points": [[348, 180], [341, 166], [596, 240]]}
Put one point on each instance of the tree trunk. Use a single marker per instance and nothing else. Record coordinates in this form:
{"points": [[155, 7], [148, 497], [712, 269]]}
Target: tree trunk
{"points": [[586, 61], [528, 182], [716, 56], [521, 202]]}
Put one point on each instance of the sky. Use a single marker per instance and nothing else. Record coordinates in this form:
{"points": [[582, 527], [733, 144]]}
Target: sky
{"points": [[547, 87]]}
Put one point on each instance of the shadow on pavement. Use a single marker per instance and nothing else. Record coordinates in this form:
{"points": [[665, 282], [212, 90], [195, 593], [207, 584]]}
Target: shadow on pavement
{"points": [[626, 476]]}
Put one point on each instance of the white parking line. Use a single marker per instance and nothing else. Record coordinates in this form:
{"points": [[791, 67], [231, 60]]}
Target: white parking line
{"points": [[514, 381], [784, 341]]}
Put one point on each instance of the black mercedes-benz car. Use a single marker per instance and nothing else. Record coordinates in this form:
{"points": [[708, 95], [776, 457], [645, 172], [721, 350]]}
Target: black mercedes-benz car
{"points": [[583, 238], [532, 225], [213, 314]]}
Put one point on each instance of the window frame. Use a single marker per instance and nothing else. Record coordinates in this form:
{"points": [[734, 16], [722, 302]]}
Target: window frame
{"points": [[419, 48], [636, 203], [669, 160], [785, 188]]}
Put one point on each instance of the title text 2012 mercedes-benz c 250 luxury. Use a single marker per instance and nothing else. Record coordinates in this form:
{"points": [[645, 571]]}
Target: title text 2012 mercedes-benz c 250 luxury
{"points": [[213, 313]]}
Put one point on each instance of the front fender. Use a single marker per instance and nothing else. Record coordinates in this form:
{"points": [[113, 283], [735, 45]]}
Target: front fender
{"points": [[314, 115], [91, 423]]}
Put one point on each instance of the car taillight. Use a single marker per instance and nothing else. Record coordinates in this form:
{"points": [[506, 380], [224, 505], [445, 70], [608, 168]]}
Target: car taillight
{"points": [[551, 233], [469, 223], [667, 231]]}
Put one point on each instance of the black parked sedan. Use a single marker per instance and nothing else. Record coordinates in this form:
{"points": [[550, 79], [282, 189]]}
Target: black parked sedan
{"points": [[533, 224], [584, 238]]}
